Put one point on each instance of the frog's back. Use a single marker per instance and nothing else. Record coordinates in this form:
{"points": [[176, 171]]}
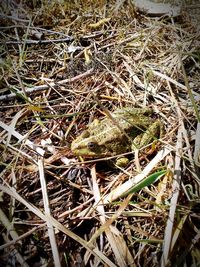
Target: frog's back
{"points": [[131, 118], [112, 135], [123, 125]]}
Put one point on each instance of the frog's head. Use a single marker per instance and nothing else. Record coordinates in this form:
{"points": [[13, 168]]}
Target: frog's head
{"points": [[87, 146]]}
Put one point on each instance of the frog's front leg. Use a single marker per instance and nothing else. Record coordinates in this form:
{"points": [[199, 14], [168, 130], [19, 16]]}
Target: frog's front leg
{"points": [[122, 162], [148, 136]]}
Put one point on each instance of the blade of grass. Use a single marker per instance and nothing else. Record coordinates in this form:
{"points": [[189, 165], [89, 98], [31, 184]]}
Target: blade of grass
{"points": [[51, 232], [137, 180], [116, 241], [174, 199]]}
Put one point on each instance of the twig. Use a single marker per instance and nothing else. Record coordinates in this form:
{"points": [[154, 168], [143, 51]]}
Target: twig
{"points": [[45, 86], [13, 18], [29, 42], [34, 28], [14, 241]]}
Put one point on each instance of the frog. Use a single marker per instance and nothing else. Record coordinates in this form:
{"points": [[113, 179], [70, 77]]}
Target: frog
{"points": [[124, 130]]}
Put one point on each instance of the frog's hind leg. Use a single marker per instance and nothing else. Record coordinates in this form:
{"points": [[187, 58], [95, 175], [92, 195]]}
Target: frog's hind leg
{"points": [[151, 134]]}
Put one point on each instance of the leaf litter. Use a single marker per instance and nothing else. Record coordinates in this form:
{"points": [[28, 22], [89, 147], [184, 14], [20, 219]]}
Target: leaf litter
{"points": [[64, 64]]}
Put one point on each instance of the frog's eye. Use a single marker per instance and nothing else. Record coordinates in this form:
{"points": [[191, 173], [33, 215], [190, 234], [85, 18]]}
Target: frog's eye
{"points": [[92, 145]]}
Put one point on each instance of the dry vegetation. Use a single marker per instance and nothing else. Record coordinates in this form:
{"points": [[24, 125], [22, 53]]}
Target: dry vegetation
{"points": [[62, 65]]}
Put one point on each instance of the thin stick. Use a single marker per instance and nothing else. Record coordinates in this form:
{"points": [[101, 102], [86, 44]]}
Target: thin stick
{"points": [[47, 86], [30, 42]]}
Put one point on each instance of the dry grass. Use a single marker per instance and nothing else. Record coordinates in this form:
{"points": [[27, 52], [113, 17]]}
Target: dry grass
{"points": [[63, 65]]}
